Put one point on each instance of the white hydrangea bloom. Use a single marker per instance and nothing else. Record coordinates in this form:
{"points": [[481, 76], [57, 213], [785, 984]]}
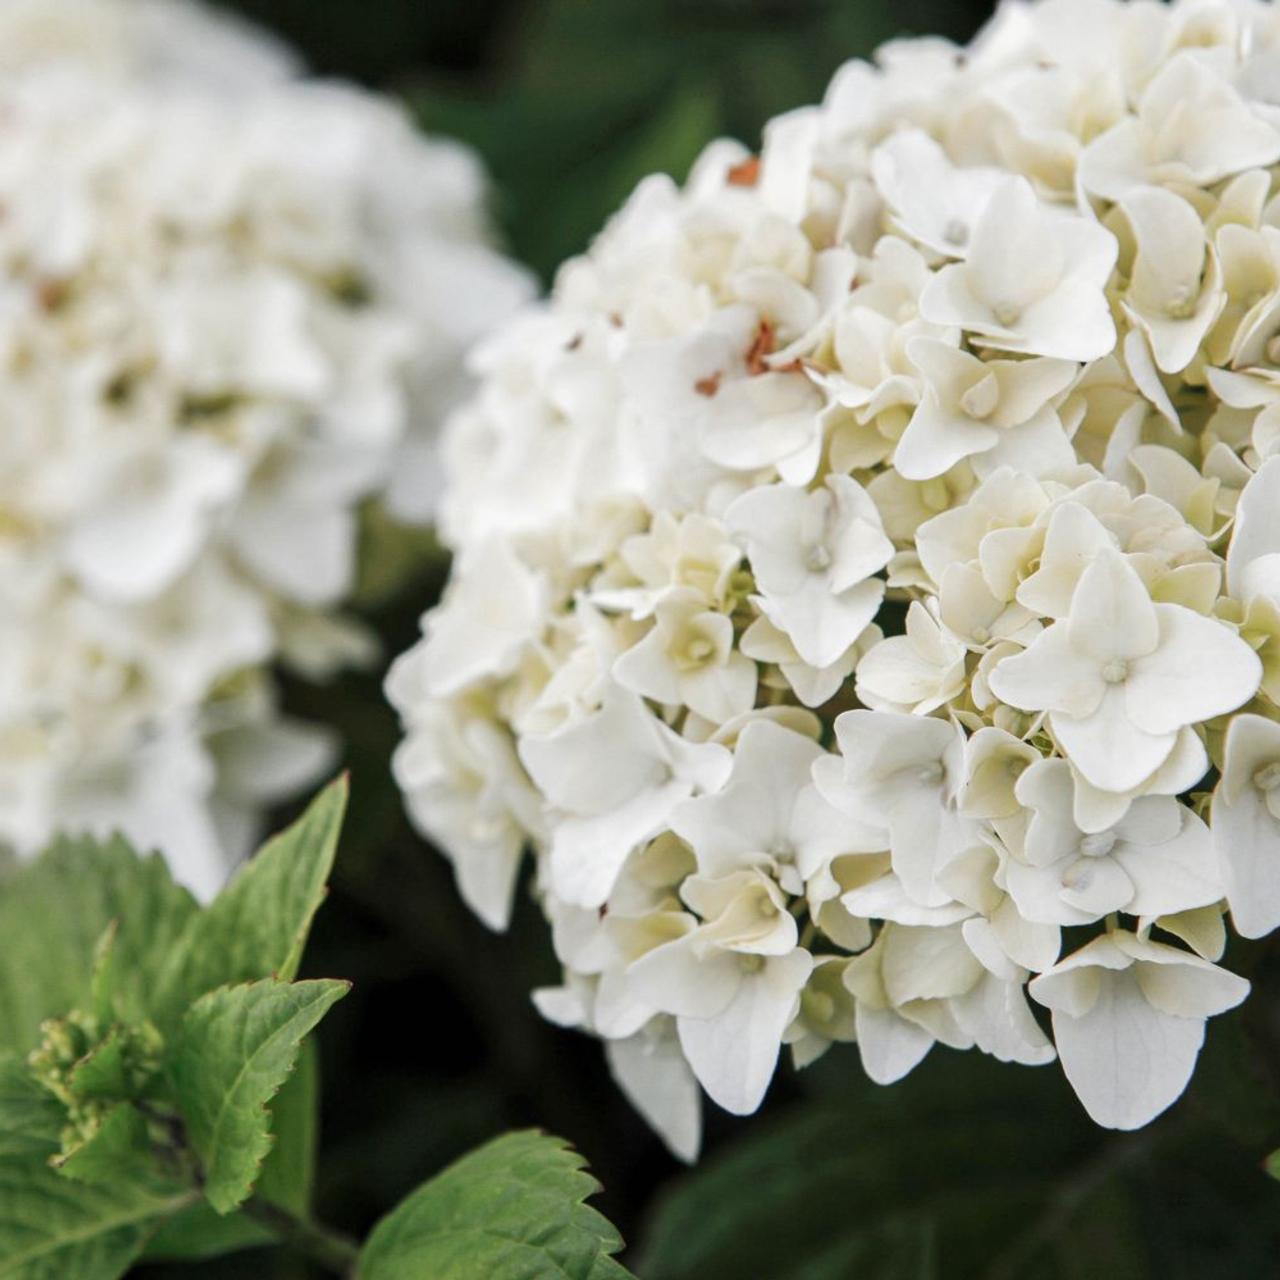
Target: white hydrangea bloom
{"points": [[923, 471], [232, 302]]}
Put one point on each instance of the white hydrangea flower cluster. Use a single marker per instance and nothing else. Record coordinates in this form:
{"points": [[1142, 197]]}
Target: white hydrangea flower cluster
{"points": [[232, 304], [867, 586]]}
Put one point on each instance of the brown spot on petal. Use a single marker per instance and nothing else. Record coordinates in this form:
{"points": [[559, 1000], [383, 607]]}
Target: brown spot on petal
{"points": [[52, 293], [707, 386], [746, 173], [761, 349]]}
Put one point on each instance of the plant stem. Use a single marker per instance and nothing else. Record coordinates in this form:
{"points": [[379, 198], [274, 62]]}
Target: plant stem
{"points": [[322, 1245]]}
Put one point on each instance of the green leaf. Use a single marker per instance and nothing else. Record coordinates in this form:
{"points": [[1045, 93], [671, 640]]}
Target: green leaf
{"points": [[997, 1165], [1273, 1164], [512, 1210], [117, 1150], [257, 927], [52, 1228], [895, 1248], [53, 915], [237, 1046], [105, 1071], [286, 1179], [946, 1145], [30, 1118], [289, 1170]]}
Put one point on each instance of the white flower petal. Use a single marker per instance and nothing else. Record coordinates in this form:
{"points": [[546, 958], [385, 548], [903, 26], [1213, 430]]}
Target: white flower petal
{"points": [[734, 1053], [890, 1046], [1126, 1061], [654, 1075]]}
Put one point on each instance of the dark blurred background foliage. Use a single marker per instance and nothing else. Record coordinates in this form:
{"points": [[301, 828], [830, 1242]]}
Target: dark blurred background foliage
{"points": [[966, 1169]]}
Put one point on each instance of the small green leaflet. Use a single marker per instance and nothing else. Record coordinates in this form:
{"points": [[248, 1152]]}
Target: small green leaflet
{"points": [[512, 1210], [286, 1178], [237, 1046], [257, 927]]}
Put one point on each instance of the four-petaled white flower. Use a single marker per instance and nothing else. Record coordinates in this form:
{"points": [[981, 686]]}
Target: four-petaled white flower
{"points": [[1157, 860], [1128, 1020], [616, 776], [1033, 281], [688, 657], [902, 774], [733, 984], [814, 555], [918, 671], [997, 412], [1175, 290], [1191, 129], [933, 201], [769, 814], [1120, 675]]}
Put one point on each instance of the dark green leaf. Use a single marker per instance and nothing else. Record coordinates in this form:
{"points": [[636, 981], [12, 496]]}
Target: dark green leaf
{"points": [[513, 1210], [997, 1163]]}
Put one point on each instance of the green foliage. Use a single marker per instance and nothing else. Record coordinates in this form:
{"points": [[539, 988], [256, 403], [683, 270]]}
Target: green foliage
{"points": [[236, 1047], [286, 1179], [30, 1119], [50, 951], [53, 1228], [967, 1168], [96, 1072], [513, 1210], [257, 927], [136, 1085], [117, 1148], [156, 1081]]}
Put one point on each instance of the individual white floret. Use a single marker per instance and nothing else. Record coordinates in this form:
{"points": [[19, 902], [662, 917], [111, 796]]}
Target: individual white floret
{"points": [[1120, 675], [1157, 860], [814, 555], [1033, 280], [1128, 1021]]}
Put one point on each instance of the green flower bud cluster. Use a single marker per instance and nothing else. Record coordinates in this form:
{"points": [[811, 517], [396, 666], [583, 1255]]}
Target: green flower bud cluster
{"points": [[91, 1066]]}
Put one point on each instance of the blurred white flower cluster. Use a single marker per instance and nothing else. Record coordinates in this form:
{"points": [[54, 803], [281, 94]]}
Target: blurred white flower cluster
{"points": [[232, 306], [867, 588]]}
